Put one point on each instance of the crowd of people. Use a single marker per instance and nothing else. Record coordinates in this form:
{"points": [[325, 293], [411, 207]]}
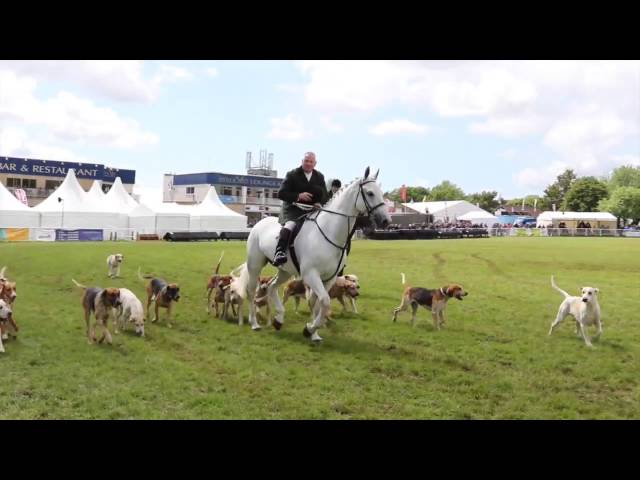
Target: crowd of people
{"points": [[438, 225]]}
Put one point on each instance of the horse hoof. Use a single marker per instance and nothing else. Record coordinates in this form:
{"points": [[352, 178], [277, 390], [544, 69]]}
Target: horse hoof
{"points": [[306, 332], [276, 324], [256, 328]]}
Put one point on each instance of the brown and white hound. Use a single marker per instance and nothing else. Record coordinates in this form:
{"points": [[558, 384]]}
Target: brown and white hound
{"points": [[162, 294], [434, 300], [217, 283], [8, 294], [8, 289], [100, 302]]}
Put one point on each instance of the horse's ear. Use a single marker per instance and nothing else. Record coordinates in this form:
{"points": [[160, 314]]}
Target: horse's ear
{"points": [[375, 177], [366, 173]]}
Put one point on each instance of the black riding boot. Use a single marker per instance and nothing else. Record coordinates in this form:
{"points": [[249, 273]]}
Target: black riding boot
{"points": [[281, 255]]}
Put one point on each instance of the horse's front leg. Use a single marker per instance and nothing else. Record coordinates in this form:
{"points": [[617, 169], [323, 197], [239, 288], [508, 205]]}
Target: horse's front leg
{"points": [[321, 307]]}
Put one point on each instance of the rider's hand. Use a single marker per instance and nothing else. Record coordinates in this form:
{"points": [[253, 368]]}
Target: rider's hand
{"points": [[305, 197], [316, 206]]}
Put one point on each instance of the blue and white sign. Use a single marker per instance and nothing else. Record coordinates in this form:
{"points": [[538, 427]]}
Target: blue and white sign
{"points": [[51, 168]]}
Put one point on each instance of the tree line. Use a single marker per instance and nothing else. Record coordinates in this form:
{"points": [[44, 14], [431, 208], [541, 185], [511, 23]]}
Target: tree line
{"points": [[618, 193]]}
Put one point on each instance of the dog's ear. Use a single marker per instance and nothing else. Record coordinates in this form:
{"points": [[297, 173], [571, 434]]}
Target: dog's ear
{"points": [[597, 290]]}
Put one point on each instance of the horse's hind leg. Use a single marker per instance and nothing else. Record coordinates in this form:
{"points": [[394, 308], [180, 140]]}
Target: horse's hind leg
{"points": [[272, 293], [254, 267]]}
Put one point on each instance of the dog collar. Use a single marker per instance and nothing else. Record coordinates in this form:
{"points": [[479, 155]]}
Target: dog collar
{"points": [[442, 292]]}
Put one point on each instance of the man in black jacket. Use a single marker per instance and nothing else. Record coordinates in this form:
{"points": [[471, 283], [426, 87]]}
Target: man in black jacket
{"points": [[301, 185]]}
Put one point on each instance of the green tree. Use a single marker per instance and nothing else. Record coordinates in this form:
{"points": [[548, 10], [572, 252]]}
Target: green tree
{"points": [[415, 193], [585, 194], [540, 203], [446, 191], [624, 203], [625, 176], [556, 192], [486, 200]]}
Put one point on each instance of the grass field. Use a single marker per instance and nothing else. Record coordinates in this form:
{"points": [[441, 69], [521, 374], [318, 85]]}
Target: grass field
{"points": [[493, 360]]}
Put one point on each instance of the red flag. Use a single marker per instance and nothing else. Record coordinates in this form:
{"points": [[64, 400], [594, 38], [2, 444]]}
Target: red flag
{"points": [[403, 193]]}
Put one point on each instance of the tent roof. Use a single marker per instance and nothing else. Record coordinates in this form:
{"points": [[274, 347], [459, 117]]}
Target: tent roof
{"points": [[75, 198], [211, 205], [118, 197], [551, 215], [95, 193], [477, 214], [9, 202], [434, 207], [142, 211]]}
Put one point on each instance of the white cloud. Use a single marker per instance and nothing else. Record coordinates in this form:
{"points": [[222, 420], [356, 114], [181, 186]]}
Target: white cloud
{"points": [[211, 72], [399, 126], [539, 178], [287, 128], [67, 116], [509, 127], [121, 80], [581, 111], [627, 159], [15, 142], [330, 125], [148, 195], [170, 74], [509, 154]]}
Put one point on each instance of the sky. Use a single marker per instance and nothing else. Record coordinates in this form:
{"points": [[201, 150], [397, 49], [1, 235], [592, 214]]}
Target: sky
{"points": [[508, 126]]}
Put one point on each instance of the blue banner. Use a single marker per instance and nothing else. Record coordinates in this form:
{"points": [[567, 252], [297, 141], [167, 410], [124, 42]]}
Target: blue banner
{"points": [[214, 178], [84, 235], [51, 168]]}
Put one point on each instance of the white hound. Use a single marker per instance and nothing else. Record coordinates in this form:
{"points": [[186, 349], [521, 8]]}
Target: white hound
{"points": [[584, 309]]}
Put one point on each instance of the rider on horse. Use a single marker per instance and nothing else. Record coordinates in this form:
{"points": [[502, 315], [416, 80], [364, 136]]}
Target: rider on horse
{"points": [[302, 185]]}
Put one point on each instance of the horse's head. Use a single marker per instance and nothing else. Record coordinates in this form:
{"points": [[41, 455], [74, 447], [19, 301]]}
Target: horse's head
{"points": [[370, 201]]}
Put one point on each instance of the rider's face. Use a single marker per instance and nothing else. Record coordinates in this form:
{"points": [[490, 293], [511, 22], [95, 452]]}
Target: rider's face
{"points": [[309, 163]]}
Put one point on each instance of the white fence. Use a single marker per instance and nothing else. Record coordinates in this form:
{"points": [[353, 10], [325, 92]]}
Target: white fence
{"points": [[561, 232]]}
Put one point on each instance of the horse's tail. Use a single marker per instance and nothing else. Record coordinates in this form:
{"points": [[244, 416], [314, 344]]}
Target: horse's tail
{"points": [[241, 281]]}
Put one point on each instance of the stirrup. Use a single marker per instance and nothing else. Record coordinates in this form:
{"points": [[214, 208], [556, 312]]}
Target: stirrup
{"points": [[279, 258]]}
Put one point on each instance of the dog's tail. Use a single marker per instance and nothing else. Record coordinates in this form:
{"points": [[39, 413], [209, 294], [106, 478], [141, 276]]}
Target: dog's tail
{"points": [[79, 285], [2, 271], [143, 277], [403, 278], [553, 284], [218, 265]]}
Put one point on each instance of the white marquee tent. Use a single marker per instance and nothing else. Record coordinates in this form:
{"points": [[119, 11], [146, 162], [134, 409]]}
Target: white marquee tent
{"points": [[69, 206], [597, 219], [479, 217], [212, 215], [444, 211], [14, 213]]}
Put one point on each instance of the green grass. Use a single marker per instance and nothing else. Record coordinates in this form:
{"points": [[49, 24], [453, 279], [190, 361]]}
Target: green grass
{"points": [[492, 360]]}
